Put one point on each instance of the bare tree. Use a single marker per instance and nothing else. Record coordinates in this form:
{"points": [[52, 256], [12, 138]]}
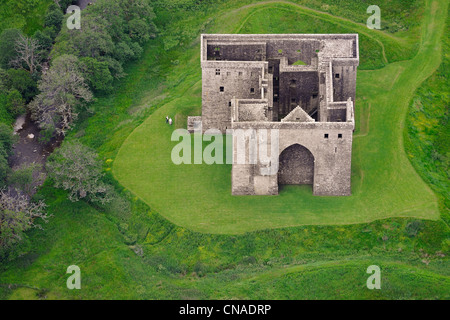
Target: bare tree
{"points": [[17, 215], [63, 90], [27, 50]]}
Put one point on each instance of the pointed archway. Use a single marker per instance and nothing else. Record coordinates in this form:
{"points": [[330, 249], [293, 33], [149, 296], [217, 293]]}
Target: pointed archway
{"points": [[296, 166]]}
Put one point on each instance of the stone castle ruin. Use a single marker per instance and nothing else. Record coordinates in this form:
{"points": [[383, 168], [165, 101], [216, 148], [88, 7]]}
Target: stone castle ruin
{"points": [[301, 84]]}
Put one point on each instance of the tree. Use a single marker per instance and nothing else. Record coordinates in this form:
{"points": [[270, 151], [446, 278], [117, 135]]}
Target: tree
{"points": [[6, 138], [22, 81], [15, 103], [17, 215], [4, 167], [8, 53], [22, 178], [75, 168], [6, 143], [45, 39], [63, 90], [54, 16], [92, 40], [97, 74], [28, 53]]}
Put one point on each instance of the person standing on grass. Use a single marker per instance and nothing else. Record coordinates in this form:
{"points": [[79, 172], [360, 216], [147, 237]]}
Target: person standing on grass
{"points": [[167, 119], [170, 121]]}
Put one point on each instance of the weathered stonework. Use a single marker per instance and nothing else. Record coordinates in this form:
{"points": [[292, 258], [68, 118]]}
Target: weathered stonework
{"points": [[301, 84]]}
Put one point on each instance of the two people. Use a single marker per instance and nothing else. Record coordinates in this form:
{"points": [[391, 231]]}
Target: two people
{"points": [[168, 120]]}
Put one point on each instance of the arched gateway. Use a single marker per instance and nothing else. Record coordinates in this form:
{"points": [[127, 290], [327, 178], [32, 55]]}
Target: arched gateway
{"points": [[296, 165]]}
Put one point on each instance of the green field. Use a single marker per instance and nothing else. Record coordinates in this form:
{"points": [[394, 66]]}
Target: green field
{"points": [[384, 184], [134, 249]]}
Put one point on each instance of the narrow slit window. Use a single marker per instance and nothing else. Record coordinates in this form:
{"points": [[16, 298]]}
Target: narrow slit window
{"points": [[229, 103]]}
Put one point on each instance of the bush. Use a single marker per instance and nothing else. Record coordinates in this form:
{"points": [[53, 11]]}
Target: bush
{"points": [[413, 228], [22, 178]]}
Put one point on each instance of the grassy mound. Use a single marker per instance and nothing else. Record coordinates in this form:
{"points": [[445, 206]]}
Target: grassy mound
{"points": [[198, 197]]}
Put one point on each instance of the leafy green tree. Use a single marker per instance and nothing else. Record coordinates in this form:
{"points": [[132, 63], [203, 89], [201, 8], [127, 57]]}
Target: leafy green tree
{"points": [[54, 16], [6, 138], [114, 66], [22, 178], [4, 167], [3, 78], [139, 30], [123, 52], [92, 40], [75, 168], [15, 104], [45, 39], [8, 40], [97, 74], [22, 81], [6, 143]]}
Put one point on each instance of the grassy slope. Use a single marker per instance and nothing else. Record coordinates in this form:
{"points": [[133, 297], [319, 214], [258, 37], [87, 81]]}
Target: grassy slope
{"points": [[427, 135], [383, 181], [302, 262]]}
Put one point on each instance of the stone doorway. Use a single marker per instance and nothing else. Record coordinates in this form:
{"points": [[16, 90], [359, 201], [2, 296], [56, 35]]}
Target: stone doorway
{"points": [[296, 166]]}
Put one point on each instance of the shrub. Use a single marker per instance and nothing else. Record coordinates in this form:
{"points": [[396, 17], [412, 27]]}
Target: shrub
{"points": [[413, 228]]}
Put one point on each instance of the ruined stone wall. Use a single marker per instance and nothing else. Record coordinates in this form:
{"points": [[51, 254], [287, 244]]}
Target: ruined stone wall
{"points": [[329, 143], [236, 52], [298, 88], [294, 50], [344, 82], [221, 83]]}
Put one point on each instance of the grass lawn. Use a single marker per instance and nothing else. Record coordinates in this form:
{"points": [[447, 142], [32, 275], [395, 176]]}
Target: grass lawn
{"points": [[384, 184], [128, 250]]}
